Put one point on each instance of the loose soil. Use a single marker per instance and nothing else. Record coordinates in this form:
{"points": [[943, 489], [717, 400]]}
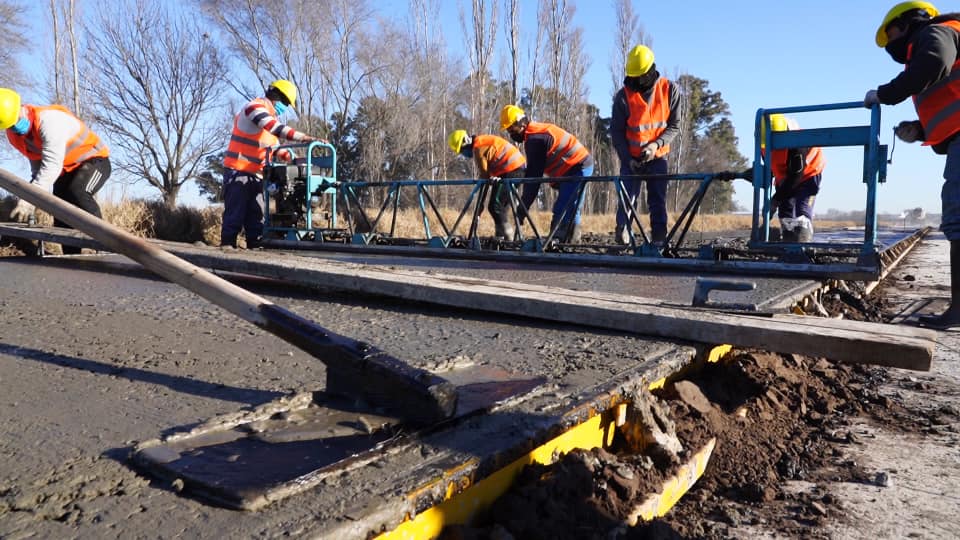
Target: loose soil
{"points": [[786, 427]]}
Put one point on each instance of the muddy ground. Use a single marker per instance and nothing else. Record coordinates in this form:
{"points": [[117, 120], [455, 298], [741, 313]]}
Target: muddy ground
{"points": [[806, 448]]}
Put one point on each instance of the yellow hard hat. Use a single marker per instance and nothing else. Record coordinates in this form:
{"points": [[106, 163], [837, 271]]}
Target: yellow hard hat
{"points": [[509, 115], [778, 122], [639, 61], [287, 88], [899, 10], [9, 108], [455, 140]]}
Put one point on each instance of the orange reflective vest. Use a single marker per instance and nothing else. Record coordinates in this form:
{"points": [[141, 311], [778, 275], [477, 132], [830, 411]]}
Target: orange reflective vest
{"points": [[939, 105], [247, 152], [506, 156], [778, 163], [565, 153], [648, 121], [82, 146]]}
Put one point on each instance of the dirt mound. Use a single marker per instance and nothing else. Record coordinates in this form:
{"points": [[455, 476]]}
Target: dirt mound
{"points": [[776, 418]]}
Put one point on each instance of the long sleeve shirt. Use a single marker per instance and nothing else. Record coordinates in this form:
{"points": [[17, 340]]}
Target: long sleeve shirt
{"points": [[56, 128], [621, 111], [257, 117], [535, 146], [935, 49]]}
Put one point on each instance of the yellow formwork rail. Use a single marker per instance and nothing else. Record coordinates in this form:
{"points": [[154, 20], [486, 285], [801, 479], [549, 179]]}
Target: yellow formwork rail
{"points": [[598, 430]]}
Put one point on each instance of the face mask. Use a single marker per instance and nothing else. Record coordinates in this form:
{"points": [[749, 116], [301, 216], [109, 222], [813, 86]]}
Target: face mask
{"points": [[21, 127], [280, 108], [897, 49], [516, 136], [467, 151]]}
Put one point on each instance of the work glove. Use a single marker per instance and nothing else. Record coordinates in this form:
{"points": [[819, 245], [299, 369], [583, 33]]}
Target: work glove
{"points": [[636, 166], [909, 132], [870, 99], [22, 212], [648, 152]]}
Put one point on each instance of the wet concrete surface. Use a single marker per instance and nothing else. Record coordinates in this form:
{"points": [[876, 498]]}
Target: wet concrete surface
{"points": [[93, 362]]}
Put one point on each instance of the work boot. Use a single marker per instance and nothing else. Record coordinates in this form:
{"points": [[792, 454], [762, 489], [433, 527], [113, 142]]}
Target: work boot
{"points": [[504, 229], [788, 235], [804, 229], [575, 234], [658, 236], [951, 317]]}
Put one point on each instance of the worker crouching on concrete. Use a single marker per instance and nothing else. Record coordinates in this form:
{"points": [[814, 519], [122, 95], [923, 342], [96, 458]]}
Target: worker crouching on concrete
{"points": [[553, 152], [928, 44], [255, 129], [65, 156], [796, 179], [495, 159], [646, 119]]}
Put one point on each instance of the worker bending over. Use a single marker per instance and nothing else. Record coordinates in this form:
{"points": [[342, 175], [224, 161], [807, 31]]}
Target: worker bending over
{"points": [[796, 176], [495, 159], [65, 156]]}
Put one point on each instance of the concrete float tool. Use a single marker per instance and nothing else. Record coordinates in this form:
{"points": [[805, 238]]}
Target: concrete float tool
{"points": [[354, 368]]}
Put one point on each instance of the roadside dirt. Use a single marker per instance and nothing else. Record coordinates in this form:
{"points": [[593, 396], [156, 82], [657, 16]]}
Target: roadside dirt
{"points": [[806, 448]]}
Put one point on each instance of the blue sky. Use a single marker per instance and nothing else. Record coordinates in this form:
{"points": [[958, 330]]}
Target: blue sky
{"points": [[765, 55], [756, 54]]}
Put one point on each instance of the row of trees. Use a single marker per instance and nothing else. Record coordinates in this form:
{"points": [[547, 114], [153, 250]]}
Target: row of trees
{"points": [[162, 80]]}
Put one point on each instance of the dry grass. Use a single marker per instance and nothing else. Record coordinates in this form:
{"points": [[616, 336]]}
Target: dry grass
{"points": [[152, 219]]}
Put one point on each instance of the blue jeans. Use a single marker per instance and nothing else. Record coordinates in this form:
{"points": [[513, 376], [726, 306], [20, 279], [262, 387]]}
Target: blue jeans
{"points": [[801, 200], [566, 192], [243, 207], [656, 195], [950, 193]]}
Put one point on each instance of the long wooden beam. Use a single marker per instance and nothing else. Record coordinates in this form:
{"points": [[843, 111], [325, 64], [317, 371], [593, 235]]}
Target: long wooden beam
{"points": [[839, 340]]}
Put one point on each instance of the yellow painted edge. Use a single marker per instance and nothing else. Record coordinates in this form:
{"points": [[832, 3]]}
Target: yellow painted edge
{"points": [[597, 431], [673, 488]]}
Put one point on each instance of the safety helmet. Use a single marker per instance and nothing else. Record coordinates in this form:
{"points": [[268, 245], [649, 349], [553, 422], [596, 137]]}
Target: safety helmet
{"points": [[287, 88], [898, 10], [778, 122], [9, 108], [639, 61], [509, 115], [456, 139]]}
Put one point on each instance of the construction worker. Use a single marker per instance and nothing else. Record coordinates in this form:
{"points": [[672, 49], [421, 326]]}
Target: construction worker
{"points": [[255, 129], [553, 152], [646, 119], [495, 158], [928, 44], [796, 179], [65, 156]]}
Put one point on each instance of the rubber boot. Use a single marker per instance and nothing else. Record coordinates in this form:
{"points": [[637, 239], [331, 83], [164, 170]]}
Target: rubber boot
{"points": [[621, 236], [805, 231], [951, 317], [504, 227]]}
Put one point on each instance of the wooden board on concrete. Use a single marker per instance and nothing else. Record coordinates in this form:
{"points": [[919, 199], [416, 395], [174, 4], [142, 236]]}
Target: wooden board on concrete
{"points": [[839, 340]]}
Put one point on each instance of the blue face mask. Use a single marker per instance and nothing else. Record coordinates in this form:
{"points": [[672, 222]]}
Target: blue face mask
{"points": [[280, 108], [467, 151], [21, 127]]}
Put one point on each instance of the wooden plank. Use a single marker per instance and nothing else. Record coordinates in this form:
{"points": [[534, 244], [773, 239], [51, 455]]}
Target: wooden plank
{"points": [[839, 340]]}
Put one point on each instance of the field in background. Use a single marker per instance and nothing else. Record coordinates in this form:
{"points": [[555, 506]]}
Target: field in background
{"points": [[151, 219]]}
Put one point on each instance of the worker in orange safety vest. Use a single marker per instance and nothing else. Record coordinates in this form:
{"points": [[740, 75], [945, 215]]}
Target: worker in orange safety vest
{"points": [[928, 44], [256, 128], [66, 157], [495, 159]]}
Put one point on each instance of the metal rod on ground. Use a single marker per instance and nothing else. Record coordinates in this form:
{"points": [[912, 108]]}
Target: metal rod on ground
{"points": [[355, 368]]}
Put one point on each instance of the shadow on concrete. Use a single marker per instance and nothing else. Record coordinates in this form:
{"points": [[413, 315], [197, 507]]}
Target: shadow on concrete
{"points": [[176, 383]]}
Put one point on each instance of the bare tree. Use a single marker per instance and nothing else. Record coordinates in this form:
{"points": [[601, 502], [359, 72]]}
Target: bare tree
{"points": [[630, 32], [512, 9], [66, 62], [155, 80], [480, 31], [15, 45]]}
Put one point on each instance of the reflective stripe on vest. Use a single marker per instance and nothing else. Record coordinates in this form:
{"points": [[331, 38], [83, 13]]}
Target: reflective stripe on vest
{"points": [[939, 105], [778, 163], [247, 152], [81, 146], [648, 121], [507, 159], [565, 152]]}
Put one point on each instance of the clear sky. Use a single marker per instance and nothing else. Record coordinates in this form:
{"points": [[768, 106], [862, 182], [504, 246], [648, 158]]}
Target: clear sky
{"points": [[757, 55], [765, 55]]}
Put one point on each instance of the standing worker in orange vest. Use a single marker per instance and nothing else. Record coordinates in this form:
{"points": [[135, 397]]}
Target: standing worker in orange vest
{"points": [[495, 158], [552, 151], [646, 119], [65, 156], [255, 129], [928, 44], [796, 178]]}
